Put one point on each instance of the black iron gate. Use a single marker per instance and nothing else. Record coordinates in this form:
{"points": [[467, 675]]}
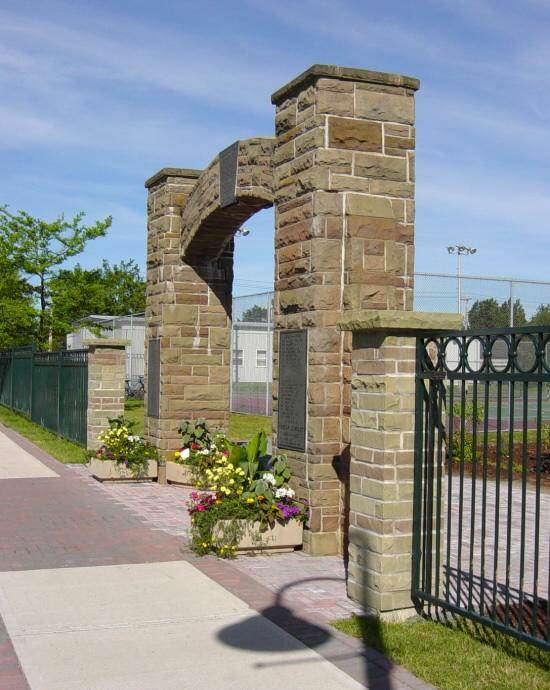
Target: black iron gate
{"points": [[481, 539]]}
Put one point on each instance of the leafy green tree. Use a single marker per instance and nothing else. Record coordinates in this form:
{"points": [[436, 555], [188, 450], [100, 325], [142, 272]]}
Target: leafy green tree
{"points": [[75, 293], [38, 248], [255, 313], [485, 313], [542, 316], [520, 319], [124, 288], [17, 314], [488, 313]]}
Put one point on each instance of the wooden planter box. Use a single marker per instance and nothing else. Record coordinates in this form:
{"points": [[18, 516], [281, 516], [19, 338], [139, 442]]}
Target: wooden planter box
{"points": [[278, 539], [176, 473], [109, 470]]}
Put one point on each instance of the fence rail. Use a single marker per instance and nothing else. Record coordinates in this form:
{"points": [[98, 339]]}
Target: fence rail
{"points": [[51, 388], [481, 544]]}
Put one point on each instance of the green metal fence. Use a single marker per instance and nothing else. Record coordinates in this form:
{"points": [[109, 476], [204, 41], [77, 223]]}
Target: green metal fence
{"points": [[49, 387], [481, 533]]}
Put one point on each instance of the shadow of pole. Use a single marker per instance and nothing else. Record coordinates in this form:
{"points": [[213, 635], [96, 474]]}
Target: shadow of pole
{"points": [[248, 635]]}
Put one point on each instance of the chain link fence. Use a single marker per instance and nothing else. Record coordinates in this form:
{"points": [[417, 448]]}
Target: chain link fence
{"points": [[129, 327], [252, 354], [252, 331], [450, 293]]}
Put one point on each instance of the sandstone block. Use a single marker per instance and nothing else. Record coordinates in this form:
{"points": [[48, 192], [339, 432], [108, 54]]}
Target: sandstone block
{"points": [[356, 135], [384, 106]]}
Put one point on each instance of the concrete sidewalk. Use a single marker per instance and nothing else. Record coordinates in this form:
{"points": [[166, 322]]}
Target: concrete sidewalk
{"points": [[94, 597]]}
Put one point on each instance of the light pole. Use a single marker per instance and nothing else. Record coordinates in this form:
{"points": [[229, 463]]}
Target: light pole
{"points": [[459, 250]]}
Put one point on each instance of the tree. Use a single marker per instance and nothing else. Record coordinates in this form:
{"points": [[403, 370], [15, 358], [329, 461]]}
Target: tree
{"points": [[488, 313], [17, 315], [75, 293], [124, 288], [255, 313], [542, 316], [38, 248], [519, 313], [485, 313]]}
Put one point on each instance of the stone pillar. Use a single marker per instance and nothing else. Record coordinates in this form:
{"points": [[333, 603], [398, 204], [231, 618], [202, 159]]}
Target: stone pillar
{"points": [[344, 233], [382, 454], [189, 311], [106, 380]]}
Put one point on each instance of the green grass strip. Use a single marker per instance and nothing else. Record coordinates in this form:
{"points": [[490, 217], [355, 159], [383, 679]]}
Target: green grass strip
{"points": [[466, 657], [57, 447]]}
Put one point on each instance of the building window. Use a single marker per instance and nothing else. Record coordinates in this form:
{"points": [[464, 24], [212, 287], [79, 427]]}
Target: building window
{"points": [[238, 357], [261, 358]]}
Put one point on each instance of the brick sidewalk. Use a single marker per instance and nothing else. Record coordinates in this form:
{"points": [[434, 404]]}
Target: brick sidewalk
{"points": [[316, 584], [72, 520]]}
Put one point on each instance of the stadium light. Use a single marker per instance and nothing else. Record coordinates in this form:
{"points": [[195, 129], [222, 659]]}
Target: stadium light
{"points": [[460, 250]]}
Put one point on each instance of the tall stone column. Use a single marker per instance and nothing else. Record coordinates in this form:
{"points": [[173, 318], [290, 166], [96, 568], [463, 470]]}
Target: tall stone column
{"points": [[188, 319], [344, 234]]}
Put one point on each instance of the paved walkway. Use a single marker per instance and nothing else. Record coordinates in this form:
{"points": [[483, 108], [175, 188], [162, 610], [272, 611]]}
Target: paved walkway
{"points": [[98, 590]]}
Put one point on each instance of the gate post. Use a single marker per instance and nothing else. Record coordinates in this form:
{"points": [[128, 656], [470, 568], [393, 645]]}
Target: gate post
{"points": [[382, 454], [106, 377]]}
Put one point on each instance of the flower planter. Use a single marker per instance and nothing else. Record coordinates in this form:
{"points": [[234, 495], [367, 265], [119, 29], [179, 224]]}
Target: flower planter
{"points": [[277, 539], [176, 473], [109, 470]]}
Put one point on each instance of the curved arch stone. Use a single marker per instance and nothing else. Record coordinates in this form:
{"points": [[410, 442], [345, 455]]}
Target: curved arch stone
{"points": [[236, 184]]}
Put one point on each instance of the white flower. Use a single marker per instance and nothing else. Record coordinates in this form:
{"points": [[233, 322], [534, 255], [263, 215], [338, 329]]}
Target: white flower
{"points": [[205, 451], [283, 492], [269, 478], [134, 438], [184, 454]]}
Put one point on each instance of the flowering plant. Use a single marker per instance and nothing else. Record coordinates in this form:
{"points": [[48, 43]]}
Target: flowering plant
{"points": [[201, 449], [247, 487], [121, 446]]}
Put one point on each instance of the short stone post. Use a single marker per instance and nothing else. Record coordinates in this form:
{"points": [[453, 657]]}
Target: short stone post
{"points": [[382, 455], [106, 378]]}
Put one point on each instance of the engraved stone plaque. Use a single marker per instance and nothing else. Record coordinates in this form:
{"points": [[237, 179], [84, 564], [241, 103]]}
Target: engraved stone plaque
{"points": [[291, 426], [228, 174], [153, 378]]}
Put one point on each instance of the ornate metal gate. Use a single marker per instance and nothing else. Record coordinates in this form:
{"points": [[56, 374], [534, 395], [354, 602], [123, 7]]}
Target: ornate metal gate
{"points": [[481, 539]]}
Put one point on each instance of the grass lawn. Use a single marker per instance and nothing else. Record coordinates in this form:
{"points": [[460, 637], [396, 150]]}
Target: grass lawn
{"points": [[134, 412], [472, 657], [241, 426], [57, 447]]}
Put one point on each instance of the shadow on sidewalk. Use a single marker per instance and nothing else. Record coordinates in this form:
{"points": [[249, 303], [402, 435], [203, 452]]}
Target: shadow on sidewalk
{"points": [[375, 669]]}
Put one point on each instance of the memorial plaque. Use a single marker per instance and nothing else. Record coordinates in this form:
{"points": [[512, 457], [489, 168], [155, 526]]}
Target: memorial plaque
{"points": [[291, 424], [228, 174], [153, 378]]}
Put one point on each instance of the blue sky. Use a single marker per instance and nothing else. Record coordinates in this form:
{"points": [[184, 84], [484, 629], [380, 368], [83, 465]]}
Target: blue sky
{"points": [[97, 96]]}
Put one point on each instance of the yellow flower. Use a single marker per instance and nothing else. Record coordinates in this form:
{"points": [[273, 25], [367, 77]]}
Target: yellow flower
{"points": [[250, 500], [222, 488]]}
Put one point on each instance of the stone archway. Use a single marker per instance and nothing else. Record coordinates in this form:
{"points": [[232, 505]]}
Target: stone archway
{"points": [[340, 173]]}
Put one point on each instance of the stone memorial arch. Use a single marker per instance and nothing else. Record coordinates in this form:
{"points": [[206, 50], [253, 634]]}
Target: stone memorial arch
{"points": [[340, 173]]}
